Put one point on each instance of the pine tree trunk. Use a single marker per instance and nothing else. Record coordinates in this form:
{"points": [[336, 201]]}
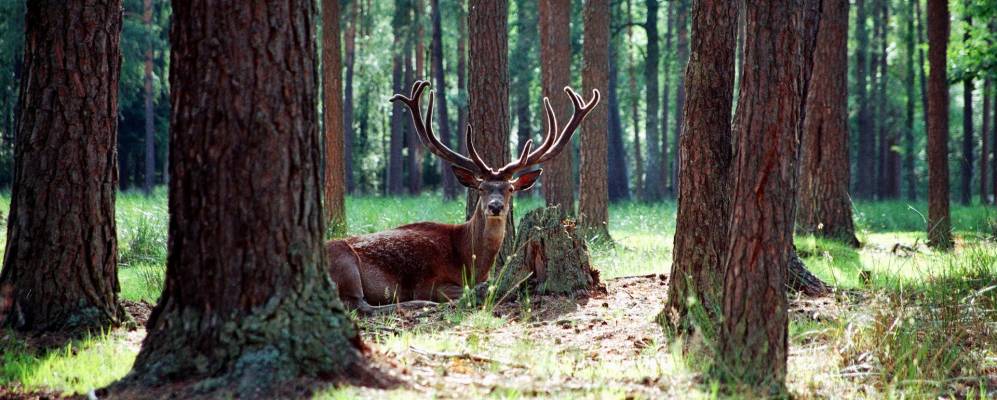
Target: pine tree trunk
{"points": [[488, 95], [415, 152], [150, 117], [682, 58], [400, 22], [618, 178], [593, 199], [668, 163], [753, 336], [704, 191], [412, 158], [882, 113], [985, 148], [555, 71], [521, 71], [909, 174], [332, 116], [443, 123], [634, 114], [939, 222], [968, 148], [248, 304], [462, 82], [824, 206], [652, 131], [60, 265], [349, 38], [865, 167]]}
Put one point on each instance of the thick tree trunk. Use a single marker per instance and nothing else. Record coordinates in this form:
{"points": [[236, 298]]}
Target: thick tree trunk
{"points": [[753, 336], [593, 199], [701, 233], [400, 22], [681, 58], [865, 168], [349, 37], [247, 304], [332, 117], [653, 189], [150, 116], [618, 178], [909, 174], [60, 266], [824, 206], [443, 123], [488, 95], [968, 144], [555, 71], [939, 222]]}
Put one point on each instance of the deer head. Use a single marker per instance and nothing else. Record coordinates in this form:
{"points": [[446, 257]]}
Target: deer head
{"points": [[496, 186]]}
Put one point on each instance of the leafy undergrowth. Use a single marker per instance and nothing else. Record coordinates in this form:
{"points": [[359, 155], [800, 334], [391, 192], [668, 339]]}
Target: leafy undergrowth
{"points": [[904, 322]]}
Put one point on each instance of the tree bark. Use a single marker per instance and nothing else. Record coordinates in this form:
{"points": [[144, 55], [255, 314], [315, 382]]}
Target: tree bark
{"points": [[878, 109], [555, 71], [150, 117], [632, 74], [593, 200], [909, 174], [985, 147], [332, 116], [443, 123], [653, 190], [865, 167], [60, 266], [412, 157], [939, 223], [521, 71], [753, 336], [488, 95], [682, 58], [400, 24], [247, 304], [349, 37], [619, 181], [462, 80], [824, 206], [703, 216], [968, 147]]}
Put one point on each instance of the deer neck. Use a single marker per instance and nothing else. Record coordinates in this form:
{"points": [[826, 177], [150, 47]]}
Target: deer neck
{"points": [[483, 236]]}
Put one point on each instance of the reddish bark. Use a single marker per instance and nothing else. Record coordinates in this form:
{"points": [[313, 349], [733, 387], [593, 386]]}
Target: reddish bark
{"points": [[593, 201], [555, 71], [939, 221], [334, 189]]}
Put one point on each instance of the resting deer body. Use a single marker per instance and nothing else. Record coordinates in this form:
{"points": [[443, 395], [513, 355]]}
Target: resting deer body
{"points": [[426, 262]]}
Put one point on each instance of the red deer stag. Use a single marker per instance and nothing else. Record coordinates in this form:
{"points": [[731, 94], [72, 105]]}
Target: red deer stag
{"points": [[420, 263]]}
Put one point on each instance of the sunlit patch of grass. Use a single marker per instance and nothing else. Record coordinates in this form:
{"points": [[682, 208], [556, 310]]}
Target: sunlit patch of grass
{"points": [[77, 367]]}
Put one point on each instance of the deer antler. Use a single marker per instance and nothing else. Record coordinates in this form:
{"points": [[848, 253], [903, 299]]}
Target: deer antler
{"points": [[424, 129], [553, 143]]}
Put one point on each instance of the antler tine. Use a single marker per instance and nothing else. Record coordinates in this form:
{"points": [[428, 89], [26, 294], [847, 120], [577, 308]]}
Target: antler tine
{"points": [[424, 129], [475, 157], [557, 139], [517, 165]]}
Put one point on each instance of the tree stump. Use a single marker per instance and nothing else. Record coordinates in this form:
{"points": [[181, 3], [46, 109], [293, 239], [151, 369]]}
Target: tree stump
{"points": [[551, 257]]}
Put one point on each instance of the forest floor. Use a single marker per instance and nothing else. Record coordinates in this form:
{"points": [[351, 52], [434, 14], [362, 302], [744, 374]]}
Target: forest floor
{"points": [[903, 321]]}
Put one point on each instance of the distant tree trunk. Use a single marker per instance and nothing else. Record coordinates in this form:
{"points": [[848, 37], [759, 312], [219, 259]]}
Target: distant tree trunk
{"points": [[411, 137], [682, 57], [414, 145], [652, 184], [701, 235], [275, 315], [866, 167], [634, 114], [443, 124], [521, 71], [150, 116], [61, 262], [462, 79], [400, 22], [993, 138], [348, 133], [753, 336], [923, 76], [418, 8], [877, 107], [618, 180], [939, 222], [668, 163], [555, 71], [332, 116], [824, 206], [488, 105], [911, 181], [985, 148], [593, 199], [968, 147]]}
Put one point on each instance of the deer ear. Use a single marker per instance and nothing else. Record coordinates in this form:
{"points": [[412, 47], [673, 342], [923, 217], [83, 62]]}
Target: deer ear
{"points": [[465, 177], [526, 181]]}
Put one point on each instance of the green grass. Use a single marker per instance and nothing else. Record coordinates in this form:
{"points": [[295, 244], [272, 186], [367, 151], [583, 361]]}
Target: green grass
{"points": [[926, 319]]}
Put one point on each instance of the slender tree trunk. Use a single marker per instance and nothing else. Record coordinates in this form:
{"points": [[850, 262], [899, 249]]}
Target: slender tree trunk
{"points": [[753, 336], [521, 70], [555, 71], [332, 90], [414, 145], [682, 58], [411, 137], [400, 24], [824, 206], [349, 37], [60, 266], [593, 199], [968, 143], [993, 138], [634, 108], [701, 232], [985, 148], [653, 190], [866, 169], [462, 80], [618, 180], [668, 162], [909, 173], [939, 222], [923, 76], [275, 316], [150, 117], [443, 124], [878, 109], [488, 105]]}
